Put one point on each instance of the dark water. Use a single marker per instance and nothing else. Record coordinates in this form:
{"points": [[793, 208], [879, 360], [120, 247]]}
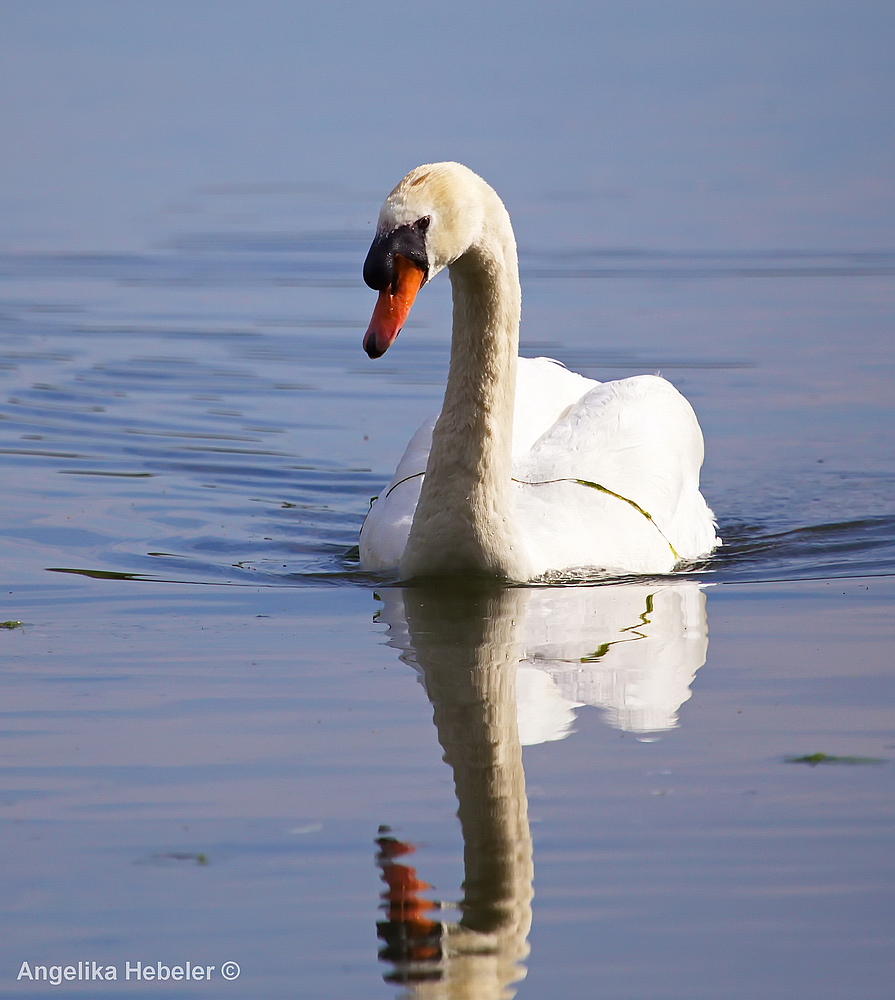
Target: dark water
{"points": [[222, 742]]}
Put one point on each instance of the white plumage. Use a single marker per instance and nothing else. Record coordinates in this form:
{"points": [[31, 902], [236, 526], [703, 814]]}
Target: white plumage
{"points": [[536, 472]]}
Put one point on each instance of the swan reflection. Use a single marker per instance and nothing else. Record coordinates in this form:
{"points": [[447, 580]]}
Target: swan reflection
{"points": [[630, 650], [504, 667]]}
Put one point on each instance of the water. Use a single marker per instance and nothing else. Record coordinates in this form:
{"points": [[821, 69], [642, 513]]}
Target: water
{"points": [[222, 742]]}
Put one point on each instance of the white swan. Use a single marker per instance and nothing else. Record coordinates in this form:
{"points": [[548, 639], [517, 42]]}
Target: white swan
{"points": [[530, 471]]}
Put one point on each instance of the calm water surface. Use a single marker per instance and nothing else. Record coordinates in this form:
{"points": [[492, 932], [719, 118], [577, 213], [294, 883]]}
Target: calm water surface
{"points": [[210, 712], [220, 741]]}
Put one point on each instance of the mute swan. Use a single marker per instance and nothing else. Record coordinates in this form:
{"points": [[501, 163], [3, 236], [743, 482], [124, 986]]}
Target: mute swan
{"points": [[530, 471]]}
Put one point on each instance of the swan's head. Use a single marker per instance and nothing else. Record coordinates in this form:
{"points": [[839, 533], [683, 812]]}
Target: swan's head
{"points": [[433, 217]]}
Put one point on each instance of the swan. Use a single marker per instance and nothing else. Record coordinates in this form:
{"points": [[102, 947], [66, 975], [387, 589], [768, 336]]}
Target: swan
{"points": [[530, 471]]}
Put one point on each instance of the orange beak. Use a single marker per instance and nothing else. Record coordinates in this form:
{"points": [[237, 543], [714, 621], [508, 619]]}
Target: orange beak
{"points": [[392, 307]]}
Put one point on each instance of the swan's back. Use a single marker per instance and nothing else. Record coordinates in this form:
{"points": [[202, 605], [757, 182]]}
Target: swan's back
{"points": [[636, 438], [620, 475]]}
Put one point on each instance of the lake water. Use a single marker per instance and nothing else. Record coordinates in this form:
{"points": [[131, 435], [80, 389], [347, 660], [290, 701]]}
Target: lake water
{"points": [[223, 743]]}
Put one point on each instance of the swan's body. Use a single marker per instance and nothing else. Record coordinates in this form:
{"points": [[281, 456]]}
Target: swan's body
{"points": [[476, 491]]}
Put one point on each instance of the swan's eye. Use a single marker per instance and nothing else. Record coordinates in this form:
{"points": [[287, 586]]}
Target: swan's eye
{"points": [[423, 224]]}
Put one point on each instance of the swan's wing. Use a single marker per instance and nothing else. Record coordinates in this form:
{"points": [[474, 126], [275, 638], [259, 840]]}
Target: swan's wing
{"points": [[545, 390], [639, 440], [384, 532]]}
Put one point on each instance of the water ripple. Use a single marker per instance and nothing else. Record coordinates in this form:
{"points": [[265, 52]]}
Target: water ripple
{"points": [[147, 437]]}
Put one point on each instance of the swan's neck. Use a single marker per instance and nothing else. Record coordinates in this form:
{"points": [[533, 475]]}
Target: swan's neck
{"points": [[465, 520]]}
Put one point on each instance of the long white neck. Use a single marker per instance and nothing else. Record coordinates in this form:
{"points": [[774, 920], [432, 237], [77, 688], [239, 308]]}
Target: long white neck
{"points": [[465, 519]]}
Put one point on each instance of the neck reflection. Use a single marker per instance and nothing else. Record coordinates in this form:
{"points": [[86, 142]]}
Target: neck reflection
{"points": [[496, 661]]}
